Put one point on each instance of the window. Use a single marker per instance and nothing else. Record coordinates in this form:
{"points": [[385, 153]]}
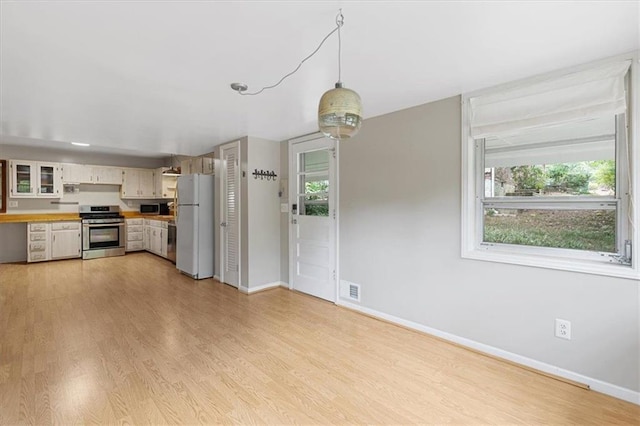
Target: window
{"points": [[314, 179], [547, 171]]}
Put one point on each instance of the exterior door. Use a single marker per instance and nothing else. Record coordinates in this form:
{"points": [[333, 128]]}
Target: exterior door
{"points": [[312, 232], [230, 217]]}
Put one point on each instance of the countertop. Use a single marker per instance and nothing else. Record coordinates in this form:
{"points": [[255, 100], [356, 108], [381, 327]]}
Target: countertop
{"points": [[66, 217], [41, 217], [136, 215]]}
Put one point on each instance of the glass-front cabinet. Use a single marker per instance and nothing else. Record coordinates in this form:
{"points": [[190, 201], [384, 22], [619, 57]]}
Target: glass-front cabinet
{"points": [[31, 179]]}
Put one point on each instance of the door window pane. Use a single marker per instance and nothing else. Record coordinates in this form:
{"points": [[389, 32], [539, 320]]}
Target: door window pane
{"points": [[313, 183]]}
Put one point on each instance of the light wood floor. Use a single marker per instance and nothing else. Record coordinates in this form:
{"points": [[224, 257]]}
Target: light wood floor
{"points": [[129, 340]]}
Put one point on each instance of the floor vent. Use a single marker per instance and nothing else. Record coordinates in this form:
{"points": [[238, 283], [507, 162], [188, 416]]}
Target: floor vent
{"points": [[354, 291]]}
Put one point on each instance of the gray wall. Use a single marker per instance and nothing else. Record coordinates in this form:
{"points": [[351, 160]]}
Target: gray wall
{"points": [[264, 214], [284, 217], [400, 192], [259, 213]]}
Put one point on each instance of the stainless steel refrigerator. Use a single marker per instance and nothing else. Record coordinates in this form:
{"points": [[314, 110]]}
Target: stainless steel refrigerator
{"points": [[194, 220]]}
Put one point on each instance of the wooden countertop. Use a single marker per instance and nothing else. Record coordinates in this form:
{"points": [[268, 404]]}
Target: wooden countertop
{"points": [[61, 217], [42, 217], [136, 215]]}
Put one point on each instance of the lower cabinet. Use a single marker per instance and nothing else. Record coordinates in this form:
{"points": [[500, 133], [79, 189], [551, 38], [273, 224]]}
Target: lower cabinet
{"points": [[135, 234], [38, 242], [51, 241], [148, 234], [65, 240], [158, 237]]}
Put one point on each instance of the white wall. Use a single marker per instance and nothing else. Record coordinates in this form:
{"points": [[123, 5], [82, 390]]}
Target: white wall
{"points": [[400, 195], [15, 152]]}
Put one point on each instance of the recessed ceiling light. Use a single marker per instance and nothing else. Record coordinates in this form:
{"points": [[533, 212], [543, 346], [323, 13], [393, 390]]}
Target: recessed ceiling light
{"points": [[80, 144]]}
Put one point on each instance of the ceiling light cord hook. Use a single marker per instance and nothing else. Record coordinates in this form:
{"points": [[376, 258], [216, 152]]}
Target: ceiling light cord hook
{"points": [[241, 88], [339, 24]]}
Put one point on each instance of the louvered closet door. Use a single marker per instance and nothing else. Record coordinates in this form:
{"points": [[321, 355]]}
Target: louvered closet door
{"points": [[230, 225], [313, 218]]}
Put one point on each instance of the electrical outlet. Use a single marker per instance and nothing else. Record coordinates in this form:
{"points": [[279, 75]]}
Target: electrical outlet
{"points": [[563, 329], [13, 204]]}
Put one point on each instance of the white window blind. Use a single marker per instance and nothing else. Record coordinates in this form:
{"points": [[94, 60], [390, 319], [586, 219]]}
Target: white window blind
{"points": [[581, 95]]}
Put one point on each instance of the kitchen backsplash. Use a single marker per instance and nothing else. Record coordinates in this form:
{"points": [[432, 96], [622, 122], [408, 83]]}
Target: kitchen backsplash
{"points": [[86, 195]]}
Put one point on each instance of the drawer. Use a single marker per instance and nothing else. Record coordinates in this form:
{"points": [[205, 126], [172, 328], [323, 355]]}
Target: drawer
{"points": [[134, 245], [165, 224], [33, 257], [38, 246], [134, 222], [134, 236], [157, 223], [38, 227], [134, 228], [63, 226], [38, 237]]}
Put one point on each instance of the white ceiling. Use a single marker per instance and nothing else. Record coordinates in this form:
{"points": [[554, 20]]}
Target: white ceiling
{"points": [[154, 76]]}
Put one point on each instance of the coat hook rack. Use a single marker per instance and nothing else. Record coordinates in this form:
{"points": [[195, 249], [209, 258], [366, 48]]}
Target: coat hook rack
{"points": [[269, 175]]}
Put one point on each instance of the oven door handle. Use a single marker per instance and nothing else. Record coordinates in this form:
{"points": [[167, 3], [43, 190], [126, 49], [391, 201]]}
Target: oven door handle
{"points": [[102, 225]]}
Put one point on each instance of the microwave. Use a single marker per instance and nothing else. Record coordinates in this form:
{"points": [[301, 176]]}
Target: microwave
{"points": [[157, 209], [150, 208]]}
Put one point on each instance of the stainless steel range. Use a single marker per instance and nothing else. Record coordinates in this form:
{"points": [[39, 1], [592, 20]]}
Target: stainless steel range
{"points": [[102, 231]]}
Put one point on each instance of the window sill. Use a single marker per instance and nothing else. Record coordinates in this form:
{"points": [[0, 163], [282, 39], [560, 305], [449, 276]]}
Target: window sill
{"points": [[548, 262]]}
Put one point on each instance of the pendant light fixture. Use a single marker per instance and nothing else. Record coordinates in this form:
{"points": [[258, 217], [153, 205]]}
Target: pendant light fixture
{"points": [[171, 171], [340, 109]]}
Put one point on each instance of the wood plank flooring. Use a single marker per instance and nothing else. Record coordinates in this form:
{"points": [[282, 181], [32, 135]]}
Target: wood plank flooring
{"points": [[130, 340]]}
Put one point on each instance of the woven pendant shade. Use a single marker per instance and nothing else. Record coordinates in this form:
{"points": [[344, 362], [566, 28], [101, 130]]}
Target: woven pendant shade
{"points": [[340, 113]]}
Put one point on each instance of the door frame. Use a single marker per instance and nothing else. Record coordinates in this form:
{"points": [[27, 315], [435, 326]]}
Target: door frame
{"points": [[293, 198], [222, 192]]}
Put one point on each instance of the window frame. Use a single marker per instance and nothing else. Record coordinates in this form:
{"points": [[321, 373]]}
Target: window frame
{"points": [[473, 195]]}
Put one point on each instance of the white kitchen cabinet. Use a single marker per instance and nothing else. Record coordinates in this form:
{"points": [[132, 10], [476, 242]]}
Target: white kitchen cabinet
{"points": [[65, 240], [146, 234], [135, 234], [207, 165], [138, 183], [197, 165], [158, 237], [32, 179], [38, 242], [80, 173], [106, 175], [165, 185], [75, 173]]}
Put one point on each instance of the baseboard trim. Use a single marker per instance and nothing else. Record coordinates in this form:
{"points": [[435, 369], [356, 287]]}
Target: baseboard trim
{"points": [[217, 278], [260, 288], [548, 369]]}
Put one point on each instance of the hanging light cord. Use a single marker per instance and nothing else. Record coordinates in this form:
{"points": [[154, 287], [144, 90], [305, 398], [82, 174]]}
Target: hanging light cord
{"points": [[339, 23]]}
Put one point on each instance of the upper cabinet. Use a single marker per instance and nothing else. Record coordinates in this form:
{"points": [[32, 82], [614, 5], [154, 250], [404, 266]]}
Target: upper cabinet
{"points": [[197, 165], [165, 184], [106, 175], [31, 179], [75, 173], [79, 173], [138, 183]]}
